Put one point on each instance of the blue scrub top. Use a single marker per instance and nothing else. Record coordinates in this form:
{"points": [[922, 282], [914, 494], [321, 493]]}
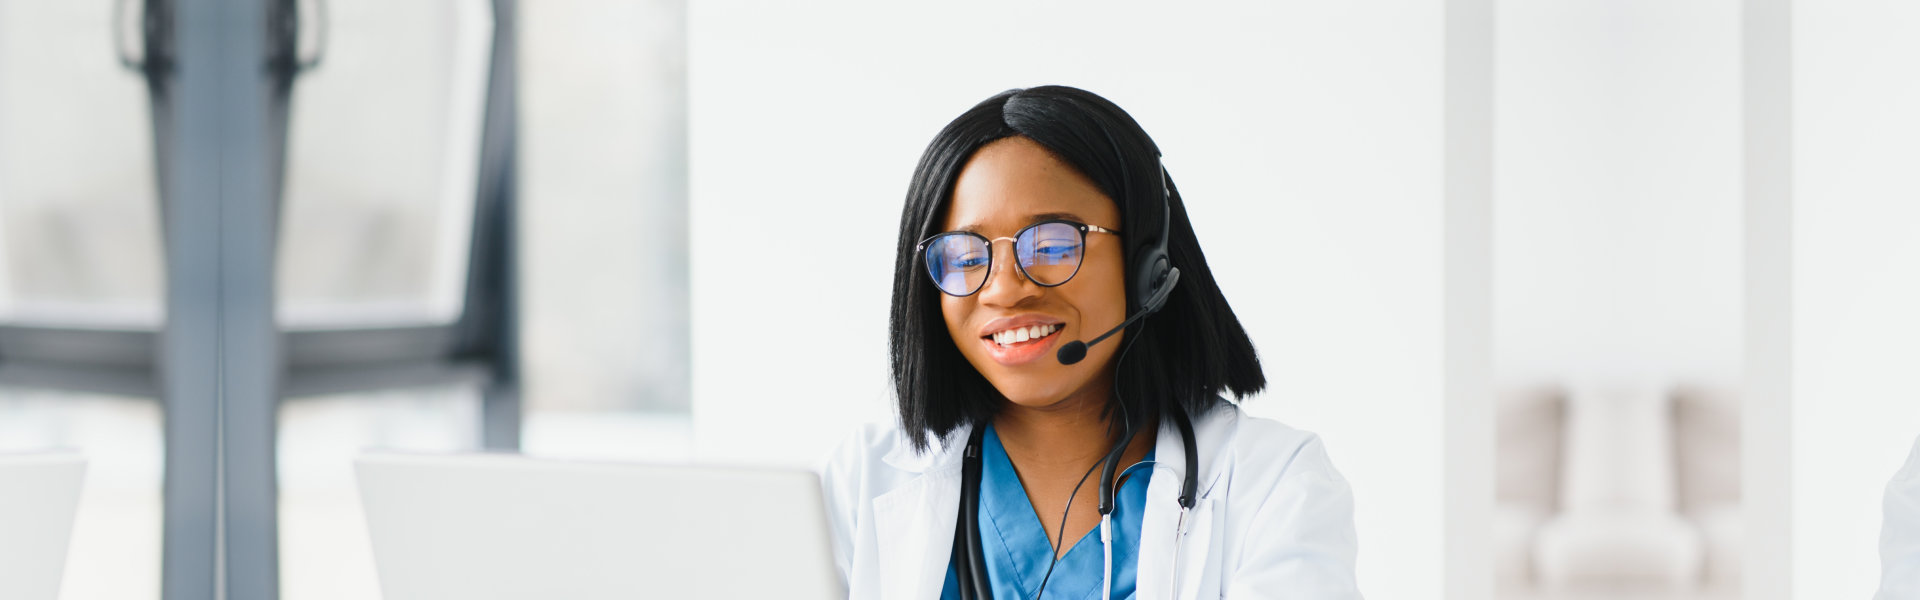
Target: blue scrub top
{"points": [[1016, 545]]}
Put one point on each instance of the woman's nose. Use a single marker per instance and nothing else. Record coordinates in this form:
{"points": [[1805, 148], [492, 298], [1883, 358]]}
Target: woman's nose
{"points": [[1006, 285]]}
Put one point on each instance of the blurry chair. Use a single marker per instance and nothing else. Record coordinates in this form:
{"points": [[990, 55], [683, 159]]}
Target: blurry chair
{"points": [[1617, 491], [1529, 425], [1618, 526], [1706, 439]]}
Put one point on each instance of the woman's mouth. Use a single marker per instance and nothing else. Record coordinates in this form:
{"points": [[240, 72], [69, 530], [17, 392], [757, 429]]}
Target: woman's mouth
{"points": [[1021, 344]]}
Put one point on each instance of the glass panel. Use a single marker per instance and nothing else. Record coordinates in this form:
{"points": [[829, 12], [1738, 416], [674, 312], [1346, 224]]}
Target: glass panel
{"points": [[114, 553], [79, 228], [382, 163]]}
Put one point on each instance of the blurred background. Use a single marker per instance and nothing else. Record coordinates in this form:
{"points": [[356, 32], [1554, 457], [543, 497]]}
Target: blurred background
{"points": [[80, 251], [543, 226], [389, 257]]}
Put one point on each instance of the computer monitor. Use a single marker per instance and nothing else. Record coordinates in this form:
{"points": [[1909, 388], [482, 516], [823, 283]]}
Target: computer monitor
{"points": [[483, 526], [39, 494]]}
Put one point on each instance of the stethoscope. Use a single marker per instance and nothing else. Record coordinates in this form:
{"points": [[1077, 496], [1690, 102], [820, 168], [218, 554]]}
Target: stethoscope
{"points": [[969, 558]]}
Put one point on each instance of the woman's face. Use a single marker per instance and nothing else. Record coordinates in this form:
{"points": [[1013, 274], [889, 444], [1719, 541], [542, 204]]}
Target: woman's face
{"points": [[1008, 185]]}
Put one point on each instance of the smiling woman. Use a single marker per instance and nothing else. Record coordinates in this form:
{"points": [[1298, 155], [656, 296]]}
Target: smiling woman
{"points": [[1016, 185], [1039, 218]]}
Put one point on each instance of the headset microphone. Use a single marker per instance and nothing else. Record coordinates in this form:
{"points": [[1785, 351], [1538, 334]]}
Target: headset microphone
{"points": [[1076, 350]]}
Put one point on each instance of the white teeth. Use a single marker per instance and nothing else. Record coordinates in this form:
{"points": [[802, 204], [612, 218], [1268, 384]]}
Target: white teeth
{"points": [[1015, 336]]}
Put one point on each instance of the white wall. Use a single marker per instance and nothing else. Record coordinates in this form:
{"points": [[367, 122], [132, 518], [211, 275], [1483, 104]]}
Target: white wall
{"points": [[1856, 401], [602, 213], [1305, 136], [1617, 193]]}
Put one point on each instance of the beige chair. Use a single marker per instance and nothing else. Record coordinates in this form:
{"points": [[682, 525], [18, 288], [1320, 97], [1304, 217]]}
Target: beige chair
{"points": [[1617, 491]]}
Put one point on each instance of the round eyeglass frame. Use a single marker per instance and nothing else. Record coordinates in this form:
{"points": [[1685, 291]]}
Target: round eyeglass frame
{"points": [[921, 250]]}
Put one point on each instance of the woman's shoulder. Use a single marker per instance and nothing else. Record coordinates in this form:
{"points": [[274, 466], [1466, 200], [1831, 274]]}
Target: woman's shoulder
{"points": [[864, 445], [1249, 435], [877, 455], [1290, 512], [1255, 433], [1265, 451], [872, 439]]}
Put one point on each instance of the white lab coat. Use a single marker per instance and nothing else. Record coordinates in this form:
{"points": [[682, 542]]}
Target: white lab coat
{"points": [[1273, 518], [1900, 534]]}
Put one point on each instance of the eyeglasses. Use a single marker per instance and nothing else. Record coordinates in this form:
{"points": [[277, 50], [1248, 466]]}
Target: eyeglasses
{"points": [[1047, 252]]}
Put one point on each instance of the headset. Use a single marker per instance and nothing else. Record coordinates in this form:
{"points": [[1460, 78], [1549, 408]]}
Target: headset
{"points": [[1154, 278]]}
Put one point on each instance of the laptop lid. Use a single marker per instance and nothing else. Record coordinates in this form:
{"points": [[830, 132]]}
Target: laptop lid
{"points": [[506, 526]]}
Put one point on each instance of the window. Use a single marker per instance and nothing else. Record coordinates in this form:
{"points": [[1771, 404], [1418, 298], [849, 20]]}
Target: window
{"points": [[383, 158], [79, 225]]}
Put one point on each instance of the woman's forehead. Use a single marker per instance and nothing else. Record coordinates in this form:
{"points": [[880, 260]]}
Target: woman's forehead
{"points": [[1013, 182]]}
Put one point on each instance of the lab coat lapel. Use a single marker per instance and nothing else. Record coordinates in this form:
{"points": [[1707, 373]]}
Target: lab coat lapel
{"points": [[1194, 547], [1158, 525], [915, 523], [1158, 520], [1157, 543]]}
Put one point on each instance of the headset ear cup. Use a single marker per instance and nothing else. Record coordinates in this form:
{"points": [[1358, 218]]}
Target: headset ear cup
{"points": [[1145, 275], [1158, 298], [1157, 275], [1155, 279]]}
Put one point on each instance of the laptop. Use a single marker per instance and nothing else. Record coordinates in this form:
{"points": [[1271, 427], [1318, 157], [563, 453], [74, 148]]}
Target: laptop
{"points": [[487, 526], [39, 494]]}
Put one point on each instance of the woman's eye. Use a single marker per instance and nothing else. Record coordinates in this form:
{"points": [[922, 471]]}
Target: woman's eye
{"points": [[971, 261], [1060, 251]]}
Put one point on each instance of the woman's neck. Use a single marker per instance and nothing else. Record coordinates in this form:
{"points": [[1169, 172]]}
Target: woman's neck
{"points": [[1054, 450], [1068, 435]]}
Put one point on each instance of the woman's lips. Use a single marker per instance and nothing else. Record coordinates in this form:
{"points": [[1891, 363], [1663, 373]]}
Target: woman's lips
{"points": [[1020, 353]]}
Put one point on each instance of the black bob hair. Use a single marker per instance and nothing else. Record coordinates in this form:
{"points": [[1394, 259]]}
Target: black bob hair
{"points": [[1195, 348]]}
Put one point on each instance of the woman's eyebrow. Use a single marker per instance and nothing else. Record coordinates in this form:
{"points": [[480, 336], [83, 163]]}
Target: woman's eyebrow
{"points": [[1053, 215], [975, 227]]}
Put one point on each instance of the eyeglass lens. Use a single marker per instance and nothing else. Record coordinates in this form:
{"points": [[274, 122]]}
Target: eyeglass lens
{"points": [[1049, 253]]}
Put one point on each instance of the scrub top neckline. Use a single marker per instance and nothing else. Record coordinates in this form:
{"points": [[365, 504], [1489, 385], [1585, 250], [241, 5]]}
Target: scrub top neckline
{"points": [[1004, 503]]}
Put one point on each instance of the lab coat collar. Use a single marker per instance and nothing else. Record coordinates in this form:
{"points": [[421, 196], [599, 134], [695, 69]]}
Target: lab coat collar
{"points": [[915, 522], [944, 452]]}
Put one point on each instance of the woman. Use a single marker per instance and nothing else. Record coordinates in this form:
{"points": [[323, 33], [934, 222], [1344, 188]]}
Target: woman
{"points": [[1038, 219]]}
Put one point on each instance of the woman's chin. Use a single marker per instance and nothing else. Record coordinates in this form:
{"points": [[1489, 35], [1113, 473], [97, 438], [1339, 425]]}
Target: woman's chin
{"points": [[1034, 396]]}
